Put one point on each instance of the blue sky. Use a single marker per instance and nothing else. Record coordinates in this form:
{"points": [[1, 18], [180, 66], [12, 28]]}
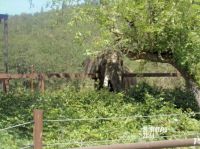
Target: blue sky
{"points": [[13, 7]]}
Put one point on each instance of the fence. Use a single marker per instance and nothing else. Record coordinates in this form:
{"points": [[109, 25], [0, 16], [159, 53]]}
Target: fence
{"points": [[38, 133], [6, 77]]}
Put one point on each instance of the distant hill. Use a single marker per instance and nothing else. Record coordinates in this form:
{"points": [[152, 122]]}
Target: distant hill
{"points": [[44, 40]]}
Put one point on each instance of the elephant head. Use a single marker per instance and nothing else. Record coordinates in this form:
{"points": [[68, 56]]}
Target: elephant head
{"points": [[109, 70], [113, 71]]}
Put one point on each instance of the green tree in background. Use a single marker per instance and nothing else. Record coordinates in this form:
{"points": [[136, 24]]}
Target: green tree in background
{"points": [[155, 30]]}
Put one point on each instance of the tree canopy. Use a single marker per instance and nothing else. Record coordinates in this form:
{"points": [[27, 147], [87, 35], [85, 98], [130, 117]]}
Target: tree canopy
{"points": [[155, 30], [170, 29]]}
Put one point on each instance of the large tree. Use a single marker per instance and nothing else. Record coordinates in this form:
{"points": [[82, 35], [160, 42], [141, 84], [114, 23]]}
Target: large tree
{"points": [[166, 31]]}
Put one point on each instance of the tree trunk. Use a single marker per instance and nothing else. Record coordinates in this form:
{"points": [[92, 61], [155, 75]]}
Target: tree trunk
{"points": [[190, 83], [195, 90]]}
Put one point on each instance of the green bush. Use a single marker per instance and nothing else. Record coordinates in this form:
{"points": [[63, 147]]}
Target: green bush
{"points": [[181, 98], [9, 141], [17, 107]]}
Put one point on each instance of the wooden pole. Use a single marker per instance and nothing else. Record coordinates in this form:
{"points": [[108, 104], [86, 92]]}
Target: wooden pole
{"points": [[41, 83], [5, 85], [6, 44], [32, 72], [37, 130]]}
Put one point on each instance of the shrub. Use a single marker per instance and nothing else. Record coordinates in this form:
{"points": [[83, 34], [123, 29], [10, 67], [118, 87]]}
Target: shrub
{"points": [[69, 103]]}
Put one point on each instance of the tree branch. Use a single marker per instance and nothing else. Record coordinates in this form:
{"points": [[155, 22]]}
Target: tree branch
{"points": [[166, 57]]}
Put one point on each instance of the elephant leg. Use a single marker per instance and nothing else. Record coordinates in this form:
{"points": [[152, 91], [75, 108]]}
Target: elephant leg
{"points": [[110, 86], [98, 84]]}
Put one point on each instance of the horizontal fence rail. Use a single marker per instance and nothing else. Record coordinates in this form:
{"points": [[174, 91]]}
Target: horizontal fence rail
{"points": [[10, 76], [18, 76], [41, 77], [151, 145], [150, 75], [78, 75]]}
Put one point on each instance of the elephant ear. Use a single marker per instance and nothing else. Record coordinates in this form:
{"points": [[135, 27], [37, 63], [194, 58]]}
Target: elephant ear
{"points": [[89, 66], [101, 63]]}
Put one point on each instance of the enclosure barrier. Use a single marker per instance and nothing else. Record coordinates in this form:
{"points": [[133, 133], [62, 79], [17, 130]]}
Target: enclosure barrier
{"points": [[6, 77], [38, 133]]}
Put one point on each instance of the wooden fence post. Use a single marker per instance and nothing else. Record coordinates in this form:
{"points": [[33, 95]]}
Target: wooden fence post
{"points": [[37, 130], [42, 82], [5, 52], [5, 85], [31, 80]]}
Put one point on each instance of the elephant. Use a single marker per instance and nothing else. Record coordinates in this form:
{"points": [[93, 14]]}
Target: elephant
{"points": [[108, 69]]}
